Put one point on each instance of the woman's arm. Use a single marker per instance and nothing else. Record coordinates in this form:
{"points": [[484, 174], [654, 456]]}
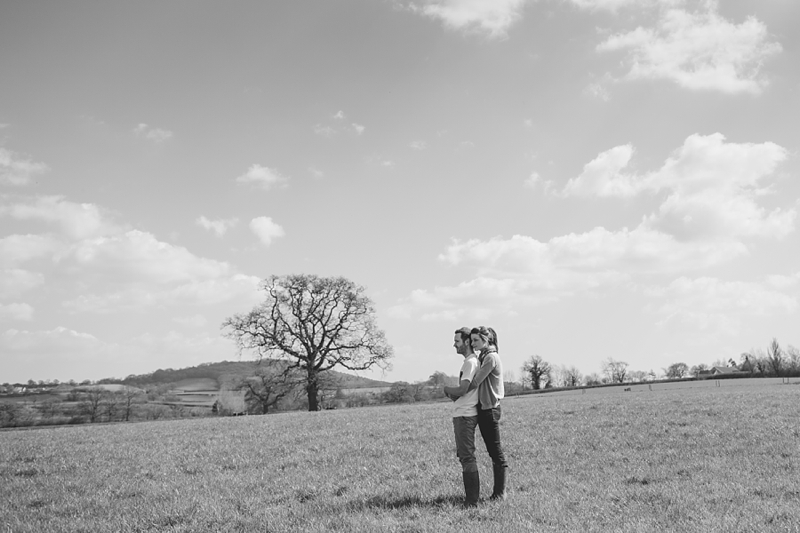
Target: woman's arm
{"points": [[456, 392], [482, 373]]}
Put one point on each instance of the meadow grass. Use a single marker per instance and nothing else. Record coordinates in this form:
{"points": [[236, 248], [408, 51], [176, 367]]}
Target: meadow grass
{"points": [[692, 459]]}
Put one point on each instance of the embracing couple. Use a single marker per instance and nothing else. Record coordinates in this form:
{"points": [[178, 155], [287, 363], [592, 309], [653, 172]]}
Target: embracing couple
{"points": [[477, 403]]}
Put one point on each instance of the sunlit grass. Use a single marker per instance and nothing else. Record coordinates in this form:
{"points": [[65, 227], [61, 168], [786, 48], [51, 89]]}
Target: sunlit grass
{"points": [[713, 459]]}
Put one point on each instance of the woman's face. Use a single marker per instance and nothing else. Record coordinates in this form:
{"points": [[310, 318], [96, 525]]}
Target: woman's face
{"points": [[478, 343]]}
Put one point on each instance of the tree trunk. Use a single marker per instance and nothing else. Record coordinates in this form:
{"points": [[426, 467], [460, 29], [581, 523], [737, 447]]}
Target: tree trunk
{"points": [[312, 388]]}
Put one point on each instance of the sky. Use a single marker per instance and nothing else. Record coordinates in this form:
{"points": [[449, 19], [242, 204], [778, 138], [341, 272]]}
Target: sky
{"points": [[595, 179]]}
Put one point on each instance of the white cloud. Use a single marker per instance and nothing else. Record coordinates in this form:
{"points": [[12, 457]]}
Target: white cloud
{"points": [[782, 282], [379, 160], [532, 181], [713, 304], [219, 226], [264, 177], [700, 51], [64, 353], [708, 212], [17, 170], [18, 249], [194, 321], [132, 295], [316, 172], [15, 281], [16, 311], [489, 17], [615, 5], [465, 145], [139, 256], [510, 274], [713, 187], [598, 90], [53, 351], [418, 145], [128, 269], [567, 258], [27, 341], [503, 296], [156, 135], [603, 176], [77, 221], [266, 230], [710, 208], [216, 290], [325, 131]]}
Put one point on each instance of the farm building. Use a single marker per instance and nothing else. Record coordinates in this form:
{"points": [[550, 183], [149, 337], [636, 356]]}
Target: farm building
{"points": [[719, 371]]}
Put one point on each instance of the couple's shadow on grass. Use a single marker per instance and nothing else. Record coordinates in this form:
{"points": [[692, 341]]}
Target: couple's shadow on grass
{"points": [[405, 502]]}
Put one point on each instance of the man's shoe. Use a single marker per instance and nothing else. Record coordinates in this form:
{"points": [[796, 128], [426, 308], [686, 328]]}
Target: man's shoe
{"points": [[499, 492], [472, 488]]}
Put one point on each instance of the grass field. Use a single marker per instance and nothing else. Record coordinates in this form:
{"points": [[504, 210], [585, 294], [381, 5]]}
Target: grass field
{"points": [[687, 459]]}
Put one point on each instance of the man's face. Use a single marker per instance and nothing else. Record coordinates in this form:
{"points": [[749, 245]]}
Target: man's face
{"points": [[459, 344]]}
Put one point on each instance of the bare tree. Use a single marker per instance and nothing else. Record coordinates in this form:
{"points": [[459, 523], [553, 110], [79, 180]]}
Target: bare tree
{"points": [[554, 378], [9, 414], [593, 379], [615, 371], [439, 379], [50, 407], [92, 402], [775, 357], [315, 324], [760, 361], [538, 369], [677, 370], [269, 384], [793, 359], [111, 406], [129, 398], [509, 376], [572, 376], [696, 369], [637, 375]]}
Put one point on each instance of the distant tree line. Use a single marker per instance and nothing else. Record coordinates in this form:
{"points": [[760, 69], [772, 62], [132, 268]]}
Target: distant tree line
{"points": [[775, 361]]}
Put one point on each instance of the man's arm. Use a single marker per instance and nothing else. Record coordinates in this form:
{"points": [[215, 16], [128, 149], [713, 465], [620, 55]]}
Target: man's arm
{"points": [[455, 393], [485, 369]]}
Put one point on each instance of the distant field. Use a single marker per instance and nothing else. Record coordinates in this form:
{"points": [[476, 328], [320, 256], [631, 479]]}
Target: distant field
{"points": [[197, 384], [689, 459]]}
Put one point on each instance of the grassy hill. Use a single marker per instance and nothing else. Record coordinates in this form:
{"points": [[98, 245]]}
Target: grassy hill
{"points": [[201, 377], [686, 458]]}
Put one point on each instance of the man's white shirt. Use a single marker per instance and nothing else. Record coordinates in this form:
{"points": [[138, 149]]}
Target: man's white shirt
{"points": [[467, 405]]}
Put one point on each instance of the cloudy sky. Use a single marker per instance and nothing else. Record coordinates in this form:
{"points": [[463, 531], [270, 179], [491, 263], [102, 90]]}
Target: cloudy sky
{"points": [[594, 178]]}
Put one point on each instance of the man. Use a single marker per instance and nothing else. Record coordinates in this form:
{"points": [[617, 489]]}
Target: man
{"points": [[465, 416]]}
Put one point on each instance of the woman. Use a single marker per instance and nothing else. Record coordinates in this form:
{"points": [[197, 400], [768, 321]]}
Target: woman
{"points": [[489, 381]]}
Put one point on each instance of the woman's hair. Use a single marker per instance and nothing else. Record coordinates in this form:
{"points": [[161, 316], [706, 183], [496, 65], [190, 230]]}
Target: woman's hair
{"points": [[488, 335], [493, 339]]}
